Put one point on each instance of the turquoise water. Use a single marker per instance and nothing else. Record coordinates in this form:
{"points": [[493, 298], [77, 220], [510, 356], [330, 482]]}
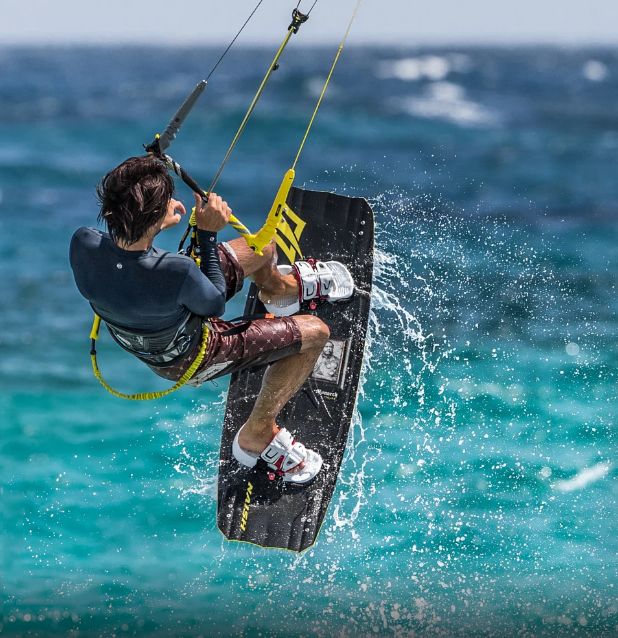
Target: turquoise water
{"points": [[478, 491]]}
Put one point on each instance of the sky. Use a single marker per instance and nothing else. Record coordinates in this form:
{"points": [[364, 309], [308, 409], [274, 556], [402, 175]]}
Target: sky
{"points": [[397, 22]]}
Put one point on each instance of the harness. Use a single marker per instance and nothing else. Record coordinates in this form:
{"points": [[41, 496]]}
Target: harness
{"points": [[160, 348], [144, 396]]}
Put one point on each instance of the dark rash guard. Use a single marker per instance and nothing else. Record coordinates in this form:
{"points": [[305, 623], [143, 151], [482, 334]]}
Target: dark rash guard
{"points": [[149, 290]]}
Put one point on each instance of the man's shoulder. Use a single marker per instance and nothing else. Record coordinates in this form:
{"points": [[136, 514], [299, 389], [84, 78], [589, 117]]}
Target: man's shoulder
{"points": [[89, 236], [85, 242], [173, 260]]}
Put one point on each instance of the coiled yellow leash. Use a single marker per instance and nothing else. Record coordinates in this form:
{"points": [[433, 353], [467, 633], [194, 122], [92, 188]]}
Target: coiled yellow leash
{"points": [[145, 396]]}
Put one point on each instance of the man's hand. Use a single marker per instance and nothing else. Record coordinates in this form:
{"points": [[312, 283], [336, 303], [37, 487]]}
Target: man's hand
{"points": [[213, 215], [175, 211]]}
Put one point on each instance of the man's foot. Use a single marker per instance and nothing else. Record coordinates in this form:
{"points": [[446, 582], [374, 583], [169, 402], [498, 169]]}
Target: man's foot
{"points": [[288, 458], [280, 293], [315, 281], [282, 285]]}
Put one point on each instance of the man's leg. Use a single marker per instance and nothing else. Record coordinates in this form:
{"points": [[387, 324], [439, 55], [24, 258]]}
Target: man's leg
{"points": [[285, 377], [281, 382], [263, 268]]}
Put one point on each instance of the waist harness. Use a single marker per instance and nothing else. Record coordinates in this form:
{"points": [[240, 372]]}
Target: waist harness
{"points": [[160, 348], [166, 349]]}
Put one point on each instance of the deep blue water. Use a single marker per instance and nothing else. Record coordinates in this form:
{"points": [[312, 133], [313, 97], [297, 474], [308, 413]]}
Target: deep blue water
{"points": [[478, 491]]}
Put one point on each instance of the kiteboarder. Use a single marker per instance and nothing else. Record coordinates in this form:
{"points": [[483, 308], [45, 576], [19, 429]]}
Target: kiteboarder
{"points": [[165, 308], [159, 305]]}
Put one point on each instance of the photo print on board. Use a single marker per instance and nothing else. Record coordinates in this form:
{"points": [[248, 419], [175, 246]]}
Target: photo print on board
{"points": [[330, 366]]}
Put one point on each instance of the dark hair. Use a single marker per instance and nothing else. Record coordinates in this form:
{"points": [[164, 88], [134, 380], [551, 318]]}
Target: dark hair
{"points": [[134, 196]]}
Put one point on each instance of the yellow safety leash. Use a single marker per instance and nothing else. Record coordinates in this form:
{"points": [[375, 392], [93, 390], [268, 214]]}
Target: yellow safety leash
{"points": [[144, 396]]}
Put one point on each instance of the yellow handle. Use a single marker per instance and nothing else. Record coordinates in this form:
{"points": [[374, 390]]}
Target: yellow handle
{"points": [[258, 241], [262, 238]]}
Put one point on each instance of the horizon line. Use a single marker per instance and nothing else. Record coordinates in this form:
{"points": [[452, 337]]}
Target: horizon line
{"points": [[424, 43]]}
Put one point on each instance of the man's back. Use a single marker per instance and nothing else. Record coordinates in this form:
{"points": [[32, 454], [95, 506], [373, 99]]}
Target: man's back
{"points": [[147, 290]]}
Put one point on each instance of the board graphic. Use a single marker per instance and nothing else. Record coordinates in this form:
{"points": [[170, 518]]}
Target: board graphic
{"points": [[251, 507]]}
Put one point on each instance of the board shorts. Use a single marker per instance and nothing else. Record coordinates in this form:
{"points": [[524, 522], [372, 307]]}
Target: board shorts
{"points": [[262, 341]]}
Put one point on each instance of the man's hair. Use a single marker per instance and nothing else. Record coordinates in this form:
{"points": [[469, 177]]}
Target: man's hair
{"points": [[134, 197]]}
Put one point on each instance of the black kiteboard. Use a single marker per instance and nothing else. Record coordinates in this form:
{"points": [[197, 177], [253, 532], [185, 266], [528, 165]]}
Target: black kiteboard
{"points": [[252, 507]]}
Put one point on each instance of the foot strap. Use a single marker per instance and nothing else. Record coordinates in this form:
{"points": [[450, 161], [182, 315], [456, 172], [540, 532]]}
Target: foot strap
{"points": [[285, 457], [284, 453], [317, 280]]}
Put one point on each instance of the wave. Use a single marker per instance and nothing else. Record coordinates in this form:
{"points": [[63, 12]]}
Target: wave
{"points": [[584, 478], [424, 67], [595, 71], [447, 101]]}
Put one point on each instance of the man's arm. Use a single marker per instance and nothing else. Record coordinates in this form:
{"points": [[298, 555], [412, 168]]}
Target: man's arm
{"points": [[205, 296], [200, 295], [210, 265]]}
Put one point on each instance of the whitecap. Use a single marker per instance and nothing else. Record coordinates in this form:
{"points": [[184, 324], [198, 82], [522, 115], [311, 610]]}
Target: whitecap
{"points": [[595, 71], [447, 101], [583, 479], [430, 67]]}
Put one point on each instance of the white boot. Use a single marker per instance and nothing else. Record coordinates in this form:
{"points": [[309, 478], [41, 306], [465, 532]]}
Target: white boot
{"points": [[285, 456], [317, 280]]}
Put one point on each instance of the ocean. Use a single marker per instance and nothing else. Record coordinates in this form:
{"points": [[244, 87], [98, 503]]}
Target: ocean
{"points": [[477, 495]]}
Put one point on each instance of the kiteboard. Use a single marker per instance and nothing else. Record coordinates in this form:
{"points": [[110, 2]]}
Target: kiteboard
{"points": [[251, 506]]}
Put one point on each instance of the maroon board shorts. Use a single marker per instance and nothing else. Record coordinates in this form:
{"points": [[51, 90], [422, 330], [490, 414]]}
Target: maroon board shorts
{"points": [[263, 341]]}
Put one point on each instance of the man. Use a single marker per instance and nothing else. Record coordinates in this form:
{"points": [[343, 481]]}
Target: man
{"points": [[155, 304]]}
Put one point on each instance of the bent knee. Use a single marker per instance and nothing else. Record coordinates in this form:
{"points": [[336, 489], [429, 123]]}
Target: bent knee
{"points": [[315, 333], [323, 331]]}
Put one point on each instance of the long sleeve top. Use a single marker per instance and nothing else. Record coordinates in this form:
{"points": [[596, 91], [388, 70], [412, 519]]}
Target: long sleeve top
{"points": [[149, 290]]}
